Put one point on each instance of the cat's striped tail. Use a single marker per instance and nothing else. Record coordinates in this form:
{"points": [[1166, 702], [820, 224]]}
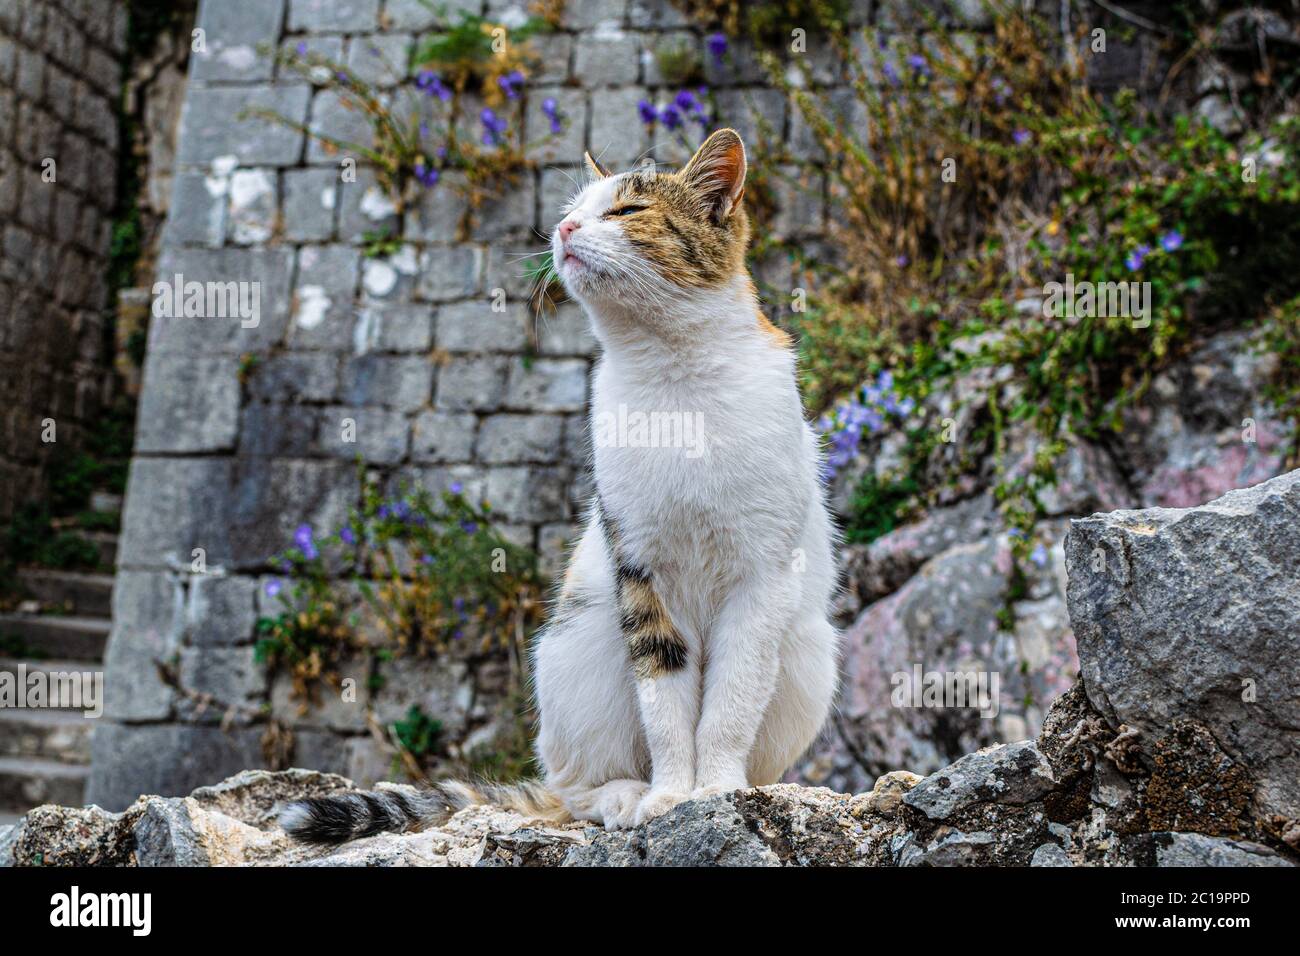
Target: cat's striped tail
{"points": [[351, 815]]}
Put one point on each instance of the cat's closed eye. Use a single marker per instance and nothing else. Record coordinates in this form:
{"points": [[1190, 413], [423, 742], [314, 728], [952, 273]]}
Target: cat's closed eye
{"points": [[625, 210]]}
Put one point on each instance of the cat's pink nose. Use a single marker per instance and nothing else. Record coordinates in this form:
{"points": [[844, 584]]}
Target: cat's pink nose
{"points": [[566, 229]]}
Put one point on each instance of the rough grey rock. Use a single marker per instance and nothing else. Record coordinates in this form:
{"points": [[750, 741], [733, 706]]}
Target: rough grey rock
{"points": [[1049, 854], [946, 621], [1010, 773], [1197, 849], [1195, 614]]}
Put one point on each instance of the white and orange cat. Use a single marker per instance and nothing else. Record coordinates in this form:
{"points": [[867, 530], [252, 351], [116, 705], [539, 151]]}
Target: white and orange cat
{"points": [[690, 651]]}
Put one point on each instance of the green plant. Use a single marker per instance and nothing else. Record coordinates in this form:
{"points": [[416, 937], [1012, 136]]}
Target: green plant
{"points": [[418, 139], [476, 52], [679, 63], [419, 734], [975, 175], [426, 574], [380, 243]]}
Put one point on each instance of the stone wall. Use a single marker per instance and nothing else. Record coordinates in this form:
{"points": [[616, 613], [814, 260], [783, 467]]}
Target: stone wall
{"points": [[60, 78], [238, 436]]}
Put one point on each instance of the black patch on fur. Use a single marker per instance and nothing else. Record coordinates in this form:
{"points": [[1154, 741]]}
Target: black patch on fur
{"points": [[328, 820], [666, 654]]}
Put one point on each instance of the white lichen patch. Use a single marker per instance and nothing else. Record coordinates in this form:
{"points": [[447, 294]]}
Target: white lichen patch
{"points": [[311, 306], [378, 278], [377, 204], [238, 57], [252, 206]]}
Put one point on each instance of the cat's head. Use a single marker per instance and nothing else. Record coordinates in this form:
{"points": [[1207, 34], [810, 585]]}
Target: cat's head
{"points": [[650, 237]]}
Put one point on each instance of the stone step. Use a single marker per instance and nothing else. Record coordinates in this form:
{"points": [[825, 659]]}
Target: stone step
{"points": [[47, 635], [90, 595], [27, 782], [62, 735]]}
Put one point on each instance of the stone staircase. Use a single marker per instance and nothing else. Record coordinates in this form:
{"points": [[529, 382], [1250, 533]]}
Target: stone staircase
{"points": [[45, 753]]}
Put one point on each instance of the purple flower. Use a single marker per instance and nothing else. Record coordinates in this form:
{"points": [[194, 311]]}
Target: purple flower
{"points": [[432, 84], [511, 83], [342, 77], [717, 44], [1171, 241], [273, 586], [647, 111], [902, 261], [455, 487], [1000, 90], [670, 117], [305, 542], [891, 74], [1021, 136], [469, 527], [301, 48], [1039, 556], [346, 535], [1137, 257], [424, 130], [426, 175], [686, 101], [918, 64], [551, 109], [493, 126]]}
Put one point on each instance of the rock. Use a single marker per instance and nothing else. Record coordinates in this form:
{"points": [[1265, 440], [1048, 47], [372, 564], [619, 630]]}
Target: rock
{"points": [[889, 790], [1049, 854], [874, 570], [1010, 773], [946, 624], [1194, 615], [1196, 849], [1204, 429], [1155, 757]]}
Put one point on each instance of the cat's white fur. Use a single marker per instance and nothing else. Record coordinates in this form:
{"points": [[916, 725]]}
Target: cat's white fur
{"points": [[738, 538]]}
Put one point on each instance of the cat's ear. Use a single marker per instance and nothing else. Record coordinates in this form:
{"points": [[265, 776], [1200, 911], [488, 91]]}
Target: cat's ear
{"points": [[717, 170], [597, 170]]}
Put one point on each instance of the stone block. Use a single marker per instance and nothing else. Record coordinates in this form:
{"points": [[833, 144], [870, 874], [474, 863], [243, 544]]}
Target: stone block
{"points": [[333, 16], [380, 436], [472, 384], [233, 34], [618, 137], [147, 627], [310, 198], [511, 439], [212, 126], [443, 437], [190, 403], [475, 327], [231, 279], [392, 381], [449, 272], [549, 385], [323, 298], [528, 493], [220, 610]]}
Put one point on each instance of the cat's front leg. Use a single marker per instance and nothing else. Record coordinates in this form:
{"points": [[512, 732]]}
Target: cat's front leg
{"points": [[667, 686], [669, 711], [739, 681]]}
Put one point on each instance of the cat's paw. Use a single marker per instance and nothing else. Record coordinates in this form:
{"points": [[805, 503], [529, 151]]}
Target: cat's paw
{"points": [[618, 805], [656, 803]]}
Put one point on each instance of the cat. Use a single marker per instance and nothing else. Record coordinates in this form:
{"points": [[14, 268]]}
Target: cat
{"points": [[690, 650]]}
